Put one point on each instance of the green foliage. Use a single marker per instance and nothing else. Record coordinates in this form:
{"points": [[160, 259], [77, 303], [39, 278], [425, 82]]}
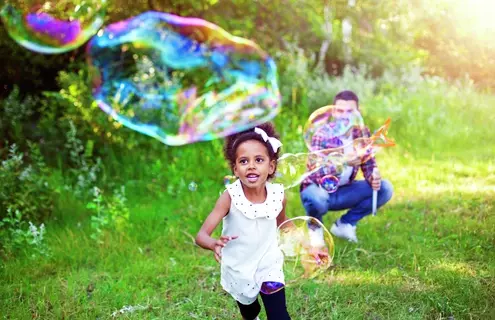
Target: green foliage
{"points": [[74, 103], [303, 86], [16, 119], [427, 255], [111, 215], [18, 238], [100, 220], [428, 113], [83, 169], [30, 71], [456, 42], [382, 35], [25, 185]]}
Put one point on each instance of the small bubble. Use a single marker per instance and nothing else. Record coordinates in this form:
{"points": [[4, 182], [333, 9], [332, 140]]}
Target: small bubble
{"points": [[193, 186]]}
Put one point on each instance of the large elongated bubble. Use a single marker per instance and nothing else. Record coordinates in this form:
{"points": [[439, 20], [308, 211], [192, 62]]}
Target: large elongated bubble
{"points": [[53, 26], [181, 80]]}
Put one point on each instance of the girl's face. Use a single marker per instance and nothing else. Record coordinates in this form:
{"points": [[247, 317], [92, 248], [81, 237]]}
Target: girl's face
{"points": [[253, 164]]}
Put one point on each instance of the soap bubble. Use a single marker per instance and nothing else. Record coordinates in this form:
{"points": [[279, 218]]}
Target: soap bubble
{"points": [[181, 80], [330, 183], [307, 246], [293, 169], [193, 186], [53, 26], [229, 179], [325, 124]]}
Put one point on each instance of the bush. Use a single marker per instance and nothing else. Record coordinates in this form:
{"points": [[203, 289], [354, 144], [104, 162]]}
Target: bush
{"points": [[111, 214], [17, 237], [17, 119], [25, 184], [428, 113], [32, 72]]}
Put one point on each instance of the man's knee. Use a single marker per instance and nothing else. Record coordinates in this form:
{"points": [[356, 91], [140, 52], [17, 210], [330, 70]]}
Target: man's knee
{"points": [[315, 200], [386, 191]]}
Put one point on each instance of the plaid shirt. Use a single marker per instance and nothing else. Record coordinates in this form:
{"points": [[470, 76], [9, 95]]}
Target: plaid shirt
{"points": [[322, 140]]}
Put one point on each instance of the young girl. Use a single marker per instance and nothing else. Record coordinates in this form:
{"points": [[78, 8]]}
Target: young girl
{"points": [[251, 209]]}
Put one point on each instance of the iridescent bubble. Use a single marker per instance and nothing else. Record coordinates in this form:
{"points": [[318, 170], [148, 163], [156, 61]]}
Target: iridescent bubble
{"points": [[330, 183], [193, 186], [307, 246], [181, 80], [229, 179], [328, 122], [53, 26], [365, 148], [292, 169]]}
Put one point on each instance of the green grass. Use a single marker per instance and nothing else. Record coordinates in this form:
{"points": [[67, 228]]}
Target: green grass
{"points": [[429, 254]]}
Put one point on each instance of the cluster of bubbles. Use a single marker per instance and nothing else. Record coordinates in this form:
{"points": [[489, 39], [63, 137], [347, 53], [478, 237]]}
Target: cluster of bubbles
{"points": [[332, 145], [177, 79]]}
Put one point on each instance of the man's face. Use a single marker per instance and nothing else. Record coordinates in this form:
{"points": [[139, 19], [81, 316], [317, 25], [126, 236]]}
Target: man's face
{"points": [[345, 109]]}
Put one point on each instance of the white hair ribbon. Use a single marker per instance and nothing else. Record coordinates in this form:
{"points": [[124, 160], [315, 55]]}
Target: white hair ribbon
{"points": [[274, 142]]}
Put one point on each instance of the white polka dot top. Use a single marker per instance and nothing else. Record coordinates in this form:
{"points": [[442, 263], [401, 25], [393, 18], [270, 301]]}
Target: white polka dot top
{"points": [[254, 257]]}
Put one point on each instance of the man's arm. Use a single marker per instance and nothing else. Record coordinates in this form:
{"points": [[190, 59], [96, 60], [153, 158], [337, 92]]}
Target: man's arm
{"points": [[370, 164]]}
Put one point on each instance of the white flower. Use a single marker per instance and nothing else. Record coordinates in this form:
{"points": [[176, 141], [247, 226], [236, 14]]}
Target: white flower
{"points": [[128, 309], [33, 230]]}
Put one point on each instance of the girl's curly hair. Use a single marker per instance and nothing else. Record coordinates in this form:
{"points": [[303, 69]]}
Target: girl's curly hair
{"points": [[232, 142]]}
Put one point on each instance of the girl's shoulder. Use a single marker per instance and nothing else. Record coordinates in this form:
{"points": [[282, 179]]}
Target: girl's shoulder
{"points": [[276, 188], [234, 189], [224, 200]]}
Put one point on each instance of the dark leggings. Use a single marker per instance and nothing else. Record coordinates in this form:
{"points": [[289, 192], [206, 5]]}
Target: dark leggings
{"points": [[275, 307]]}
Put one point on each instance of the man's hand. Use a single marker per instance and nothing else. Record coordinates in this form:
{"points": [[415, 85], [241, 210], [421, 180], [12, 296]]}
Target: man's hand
{"points": [[219, 244], [376, 179]]}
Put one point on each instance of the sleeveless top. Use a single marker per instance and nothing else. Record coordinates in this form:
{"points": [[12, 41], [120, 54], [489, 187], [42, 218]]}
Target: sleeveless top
{"points": [[254, 257]]}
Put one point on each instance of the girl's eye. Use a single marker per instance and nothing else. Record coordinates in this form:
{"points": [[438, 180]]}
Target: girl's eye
{"points": [[243, 161], [259, 160]]}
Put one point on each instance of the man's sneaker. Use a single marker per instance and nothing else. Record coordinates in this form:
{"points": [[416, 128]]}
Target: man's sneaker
{"points": [[316, 237], [344, 230]]}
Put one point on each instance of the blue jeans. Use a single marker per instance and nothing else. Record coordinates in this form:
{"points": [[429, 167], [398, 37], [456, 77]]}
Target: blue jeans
{"points": [[356, 196]]}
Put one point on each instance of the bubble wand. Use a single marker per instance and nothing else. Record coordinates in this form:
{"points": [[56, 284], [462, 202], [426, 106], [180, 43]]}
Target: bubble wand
{"points": [[375, 194]]}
